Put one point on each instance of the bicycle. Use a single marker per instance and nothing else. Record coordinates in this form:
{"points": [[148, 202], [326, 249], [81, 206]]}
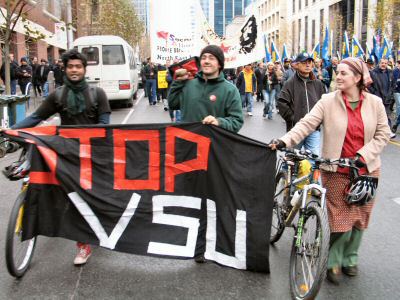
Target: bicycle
{"points": [[303, 196], [18, 252]]}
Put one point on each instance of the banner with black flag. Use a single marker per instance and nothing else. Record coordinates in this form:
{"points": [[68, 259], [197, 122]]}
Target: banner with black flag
{"points": [[154, 189]]}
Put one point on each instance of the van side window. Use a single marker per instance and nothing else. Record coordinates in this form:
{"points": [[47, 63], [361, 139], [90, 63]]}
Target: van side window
{"points": [[92, 55], [113, 55]]}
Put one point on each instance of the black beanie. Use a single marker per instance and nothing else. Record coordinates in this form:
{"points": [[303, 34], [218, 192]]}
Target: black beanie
{"points": [[217, 52]]}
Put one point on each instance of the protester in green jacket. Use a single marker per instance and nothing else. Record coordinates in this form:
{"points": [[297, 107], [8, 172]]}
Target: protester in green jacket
{"points": [[209, 97]]}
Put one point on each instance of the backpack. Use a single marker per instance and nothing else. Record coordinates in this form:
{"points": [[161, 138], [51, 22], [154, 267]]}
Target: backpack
{"points": [[62, 105]]}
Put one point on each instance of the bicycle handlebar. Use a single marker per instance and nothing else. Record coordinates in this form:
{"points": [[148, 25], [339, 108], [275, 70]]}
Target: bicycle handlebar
{"points": [[307, 154]]}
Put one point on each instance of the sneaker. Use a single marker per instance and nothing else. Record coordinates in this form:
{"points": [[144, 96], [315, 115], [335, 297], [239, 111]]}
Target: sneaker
{"points": [[392, 135], [83, 254], [250, 113]]}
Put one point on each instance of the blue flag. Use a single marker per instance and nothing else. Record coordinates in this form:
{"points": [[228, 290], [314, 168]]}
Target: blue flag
{"points": [[345, 46], [274, 52], [375, 49], [357, 50], [267, 54], [315, 51], [325, 45], [385, 50], [284, 53]]}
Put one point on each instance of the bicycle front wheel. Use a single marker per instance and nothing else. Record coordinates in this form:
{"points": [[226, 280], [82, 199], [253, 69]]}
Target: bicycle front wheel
{"points": [[309, 256], [18, 253], [278, 217]]}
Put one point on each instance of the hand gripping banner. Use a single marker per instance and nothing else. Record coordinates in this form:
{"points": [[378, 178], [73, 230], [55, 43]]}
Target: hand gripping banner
{"points": [[155, 189]]}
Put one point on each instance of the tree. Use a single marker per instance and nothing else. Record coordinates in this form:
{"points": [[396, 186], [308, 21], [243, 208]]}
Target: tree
{"points": [[118, 17], [16, 11], [386, 19]]}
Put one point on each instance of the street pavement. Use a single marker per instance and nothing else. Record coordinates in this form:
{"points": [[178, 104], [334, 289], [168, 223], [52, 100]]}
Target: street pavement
{"points": [[113, 275]]}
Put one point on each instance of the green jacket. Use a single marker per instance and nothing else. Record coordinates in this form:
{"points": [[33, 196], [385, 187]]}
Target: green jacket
{"points": [[198, 98]]}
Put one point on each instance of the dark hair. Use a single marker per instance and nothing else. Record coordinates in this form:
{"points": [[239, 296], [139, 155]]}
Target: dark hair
{"points": [[73, 54], [360, 84]]}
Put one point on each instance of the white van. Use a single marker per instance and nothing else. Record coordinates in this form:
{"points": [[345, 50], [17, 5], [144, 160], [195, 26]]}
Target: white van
{"points": [[111, 66]]}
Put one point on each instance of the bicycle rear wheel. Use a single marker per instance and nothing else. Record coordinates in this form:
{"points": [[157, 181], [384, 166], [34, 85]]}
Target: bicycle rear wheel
{"points": [[18, 253], [309, 256], [278, 218]]}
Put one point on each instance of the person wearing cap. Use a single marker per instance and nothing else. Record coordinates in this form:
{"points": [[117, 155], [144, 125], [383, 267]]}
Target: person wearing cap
{"points": [[298, 96], [247, 85], [209, 97], [24, 74], [354, 126], [288, 69]]}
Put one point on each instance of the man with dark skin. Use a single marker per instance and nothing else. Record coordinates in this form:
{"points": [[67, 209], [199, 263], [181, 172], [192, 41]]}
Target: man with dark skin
{"points": [[77, 104]]}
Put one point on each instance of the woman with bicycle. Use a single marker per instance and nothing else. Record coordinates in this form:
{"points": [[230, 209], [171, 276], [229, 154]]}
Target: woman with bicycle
{"points": [[354, 126]]}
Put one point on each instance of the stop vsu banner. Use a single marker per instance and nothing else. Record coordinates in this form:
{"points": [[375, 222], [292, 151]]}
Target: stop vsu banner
{"points": [[176, 191]]}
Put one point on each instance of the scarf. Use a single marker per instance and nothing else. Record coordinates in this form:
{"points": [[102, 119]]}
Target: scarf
{"points": [[359, 66], [76, 102]]}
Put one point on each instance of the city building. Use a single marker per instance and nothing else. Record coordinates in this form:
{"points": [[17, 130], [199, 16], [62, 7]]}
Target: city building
{"points": [[48, 18], [220, 13], [300, 24], [143, 12]]}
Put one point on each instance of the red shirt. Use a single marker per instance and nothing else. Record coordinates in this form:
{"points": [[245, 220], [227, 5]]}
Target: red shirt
{"points": [[354, 139]]}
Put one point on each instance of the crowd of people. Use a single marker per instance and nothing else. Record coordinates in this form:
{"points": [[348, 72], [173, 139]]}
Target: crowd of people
{"points": [[350, 101], [264, 82], [32, 74]]}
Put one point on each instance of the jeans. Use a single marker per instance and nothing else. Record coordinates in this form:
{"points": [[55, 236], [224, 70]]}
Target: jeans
{"points": [[311, 142], [151, 86], [397, 100], [13, 85], [247, 101], [45, 89], [269, 99]]}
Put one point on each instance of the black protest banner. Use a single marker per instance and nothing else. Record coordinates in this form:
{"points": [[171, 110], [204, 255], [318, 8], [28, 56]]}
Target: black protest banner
{"points": [[172, 191]]}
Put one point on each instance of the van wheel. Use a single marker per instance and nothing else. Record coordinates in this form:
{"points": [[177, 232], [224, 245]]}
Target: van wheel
{"points": [[129, 103]]}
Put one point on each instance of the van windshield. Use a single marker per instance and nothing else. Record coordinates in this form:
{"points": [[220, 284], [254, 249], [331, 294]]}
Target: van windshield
{"points": [[92, 55], [113, 55]]}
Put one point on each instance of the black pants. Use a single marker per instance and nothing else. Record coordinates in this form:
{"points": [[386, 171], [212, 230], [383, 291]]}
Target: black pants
{"points": [[37, 90], [22, 86]]}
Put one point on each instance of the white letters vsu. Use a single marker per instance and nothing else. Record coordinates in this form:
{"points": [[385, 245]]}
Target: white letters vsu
{"points": [[192, 224]]}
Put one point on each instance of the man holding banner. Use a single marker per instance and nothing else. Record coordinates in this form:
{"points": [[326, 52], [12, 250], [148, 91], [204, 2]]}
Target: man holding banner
{"points": [[209, 97], [77, 104]]}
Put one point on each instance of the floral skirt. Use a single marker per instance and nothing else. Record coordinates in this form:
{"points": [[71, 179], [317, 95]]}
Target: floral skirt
{"points": [[342, 216]]}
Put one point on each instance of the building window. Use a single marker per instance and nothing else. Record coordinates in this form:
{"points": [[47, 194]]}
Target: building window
{"points": [[306, 3], [306, 34], [299, 5], [299, 35], [294, 6], [321, 18], [313, 33]]}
